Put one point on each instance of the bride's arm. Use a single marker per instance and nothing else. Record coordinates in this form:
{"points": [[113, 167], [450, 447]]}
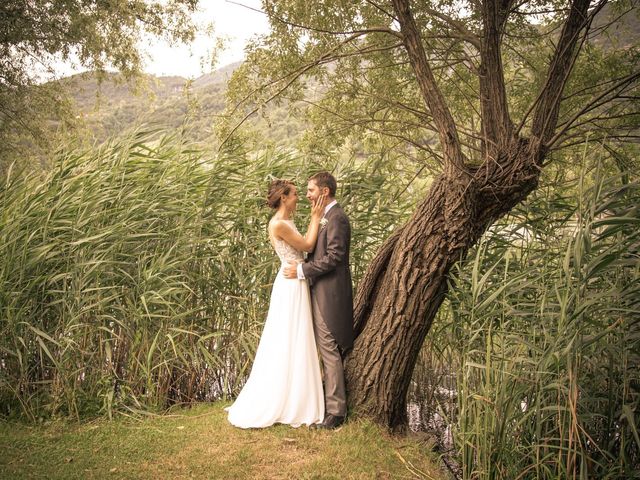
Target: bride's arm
{"points": [[307, 243], [283, 231]]}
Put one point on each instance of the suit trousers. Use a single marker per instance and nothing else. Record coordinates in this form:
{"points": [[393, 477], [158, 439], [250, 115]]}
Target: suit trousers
{"points": [[335, 396]]}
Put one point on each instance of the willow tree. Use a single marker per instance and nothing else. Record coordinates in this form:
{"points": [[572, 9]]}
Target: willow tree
{"points": [[480, 92]]}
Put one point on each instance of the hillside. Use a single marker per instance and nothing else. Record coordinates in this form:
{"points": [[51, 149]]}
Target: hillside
{"points": [[106, 109]]}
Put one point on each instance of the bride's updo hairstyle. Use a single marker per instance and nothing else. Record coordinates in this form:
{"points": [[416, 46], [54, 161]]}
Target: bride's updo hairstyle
{"points": [[276, 190]]}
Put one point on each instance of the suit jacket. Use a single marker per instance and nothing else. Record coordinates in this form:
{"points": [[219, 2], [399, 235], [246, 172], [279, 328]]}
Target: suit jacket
{"points": [[327, 269]]}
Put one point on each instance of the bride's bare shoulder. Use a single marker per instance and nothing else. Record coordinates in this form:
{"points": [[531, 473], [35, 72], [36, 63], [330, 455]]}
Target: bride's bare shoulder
{"points": [[273, 223], [275, 228], [278, 225]]}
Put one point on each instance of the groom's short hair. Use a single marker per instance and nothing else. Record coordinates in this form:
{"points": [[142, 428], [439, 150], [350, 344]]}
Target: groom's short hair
{"points": [[325, 179]]}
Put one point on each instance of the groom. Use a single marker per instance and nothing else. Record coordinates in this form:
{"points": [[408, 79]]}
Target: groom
{"points": [[327, 270]]}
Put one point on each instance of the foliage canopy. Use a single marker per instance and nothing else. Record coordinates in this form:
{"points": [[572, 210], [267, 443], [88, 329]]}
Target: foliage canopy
{"points": [[369, 88], [35, 35]]}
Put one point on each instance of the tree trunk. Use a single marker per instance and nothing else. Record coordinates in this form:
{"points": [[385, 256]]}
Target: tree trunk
{"points": [[402, 291], [406, 283]]}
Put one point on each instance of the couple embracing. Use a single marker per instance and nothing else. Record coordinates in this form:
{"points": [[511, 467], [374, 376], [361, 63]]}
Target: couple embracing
{"points": [[311, 310]]}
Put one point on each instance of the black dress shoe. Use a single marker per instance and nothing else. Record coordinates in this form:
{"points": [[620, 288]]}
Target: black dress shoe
{"points": [[330, 422]]}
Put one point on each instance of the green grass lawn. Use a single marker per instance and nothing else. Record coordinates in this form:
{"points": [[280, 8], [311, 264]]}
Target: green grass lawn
{"points": [[200, 443]]}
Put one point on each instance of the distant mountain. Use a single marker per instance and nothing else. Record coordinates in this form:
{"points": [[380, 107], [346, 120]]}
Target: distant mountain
{"points": [[108, 108], [89, 94], [622, 25], [221, 75], [111, 106]]}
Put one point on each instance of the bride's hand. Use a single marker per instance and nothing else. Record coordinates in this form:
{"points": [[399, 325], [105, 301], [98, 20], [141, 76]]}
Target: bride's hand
{"points": [[317, 209]]}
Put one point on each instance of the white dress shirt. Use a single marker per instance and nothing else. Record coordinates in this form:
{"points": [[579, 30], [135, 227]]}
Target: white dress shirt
{"points": [[326, 209]]}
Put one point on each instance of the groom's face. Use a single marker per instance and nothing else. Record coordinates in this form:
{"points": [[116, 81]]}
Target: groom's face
{"points": [[313, 191]]}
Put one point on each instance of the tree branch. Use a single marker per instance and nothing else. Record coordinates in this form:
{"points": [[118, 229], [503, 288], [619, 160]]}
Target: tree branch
{"points": [[366, 125], [496, 122], [293, 76], [546, 114], [454, 158], [463, 32], [379, 29], [374, 4], [595, 103]]}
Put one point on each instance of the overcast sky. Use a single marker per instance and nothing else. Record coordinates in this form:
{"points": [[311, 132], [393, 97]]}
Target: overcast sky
{"points": [[232, 21]]}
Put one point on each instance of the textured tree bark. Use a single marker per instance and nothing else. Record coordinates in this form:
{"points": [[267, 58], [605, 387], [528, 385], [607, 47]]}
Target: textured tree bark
{"points": [[496, 123], [400, 298], [406, 283]]}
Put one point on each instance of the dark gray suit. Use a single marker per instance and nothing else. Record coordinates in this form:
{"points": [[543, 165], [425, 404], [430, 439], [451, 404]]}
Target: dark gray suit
{"points": [[327, 269]]}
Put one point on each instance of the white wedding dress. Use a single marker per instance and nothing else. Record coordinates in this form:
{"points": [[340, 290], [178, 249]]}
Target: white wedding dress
{"points": [[285, 385]]}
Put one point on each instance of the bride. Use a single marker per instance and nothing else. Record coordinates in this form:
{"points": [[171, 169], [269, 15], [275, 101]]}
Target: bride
{"points": [[285, 385]]}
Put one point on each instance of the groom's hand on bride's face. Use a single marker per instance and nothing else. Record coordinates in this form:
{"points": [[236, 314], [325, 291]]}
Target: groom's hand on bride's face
{"points": [[291, 270]]}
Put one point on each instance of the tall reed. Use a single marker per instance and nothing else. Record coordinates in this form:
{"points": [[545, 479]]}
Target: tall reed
{"points": [[537, 352], [137, 275]]}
